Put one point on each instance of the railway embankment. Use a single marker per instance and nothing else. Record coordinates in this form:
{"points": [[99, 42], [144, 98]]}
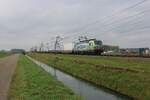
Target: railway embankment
{"points": [[124, 75]]}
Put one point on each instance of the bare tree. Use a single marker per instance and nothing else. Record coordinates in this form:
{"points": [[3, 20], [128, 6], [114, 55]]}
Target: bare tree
{"points": [[48, 47], [41, 47], [59, 43]]}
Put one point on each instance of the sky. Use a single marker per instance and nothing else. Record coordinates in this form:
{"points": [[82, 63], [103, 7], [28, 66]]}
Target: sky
{"points": [[27, 23]]}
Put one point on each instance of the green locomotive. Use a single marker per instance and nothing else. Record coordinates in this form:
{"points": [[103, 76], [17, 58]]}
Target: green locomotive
{"points": [[90, 46]]}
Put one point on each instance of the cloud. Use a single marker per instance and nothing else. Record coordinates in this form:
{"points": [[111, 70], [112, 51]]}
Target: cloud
{"points": [[25, 23]]}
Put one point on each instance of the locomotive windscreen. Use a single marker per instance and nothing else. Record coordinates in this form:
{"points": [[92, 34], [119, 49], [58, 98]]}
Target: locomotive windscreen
{"points": [[98, 42]]}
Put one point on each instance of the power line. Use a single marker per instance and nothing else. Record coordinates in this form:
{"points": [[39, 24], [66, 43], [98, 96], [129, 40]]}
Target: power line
{"points": [[97, 21], [143, 28], [120, 20], [128, 17]]}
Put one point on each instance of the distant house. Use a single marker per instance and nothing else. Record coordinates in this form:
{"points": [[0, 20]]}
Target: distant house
{"points": [[135, 50]]}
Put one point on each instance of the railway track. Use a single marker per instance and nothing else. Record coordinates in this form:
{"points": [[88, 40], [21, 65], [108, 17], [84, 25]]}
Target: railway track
{"points": [[138, 56], [107, 55]]}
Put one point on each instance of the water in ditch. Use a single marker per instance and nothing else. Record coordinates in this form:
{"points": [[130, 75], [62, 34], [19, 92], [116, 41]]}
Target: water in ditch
{"points": [[80, 87]]}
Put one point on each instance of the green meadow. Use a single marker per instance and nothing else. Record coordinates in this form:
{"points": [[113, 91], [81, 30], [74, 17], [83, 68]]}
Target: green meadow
{"points": [[129, 76]]}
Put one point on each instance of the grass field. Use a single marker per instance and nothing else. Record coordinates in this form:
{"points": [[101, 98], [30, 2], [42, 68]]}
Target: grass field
{"points": [[3, 54], [30, 82], [130, 76]]}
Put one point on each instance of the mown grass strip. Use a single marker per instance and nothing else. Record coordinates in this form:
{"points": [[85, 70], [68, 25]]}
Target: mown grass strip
{"points": [[30, 82], [129, 82]]}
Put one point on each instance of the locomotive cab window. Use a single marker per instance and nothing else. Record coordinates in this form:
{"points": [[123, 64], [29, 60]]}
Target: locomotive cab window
{"points": [[90, 44]]}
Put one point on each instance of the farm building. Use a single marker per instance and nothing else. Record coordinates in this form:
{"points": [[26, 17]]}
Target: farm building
{"points": [[135, 50]]}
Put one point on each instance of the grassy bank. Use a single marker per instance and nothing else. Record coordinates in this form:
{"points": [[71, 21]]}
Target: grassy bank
{"points": [[127, 76], [30, 82]]}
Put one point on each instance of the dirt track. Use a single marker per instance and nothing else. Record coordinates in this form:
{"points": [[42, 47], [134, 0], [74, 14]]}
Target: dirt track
{"points": [[7, 68]]}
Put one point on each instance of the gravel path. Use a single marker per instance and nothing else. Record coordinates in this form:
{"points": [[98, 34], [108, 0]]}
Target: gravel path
{"points": [[7, 68]]}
